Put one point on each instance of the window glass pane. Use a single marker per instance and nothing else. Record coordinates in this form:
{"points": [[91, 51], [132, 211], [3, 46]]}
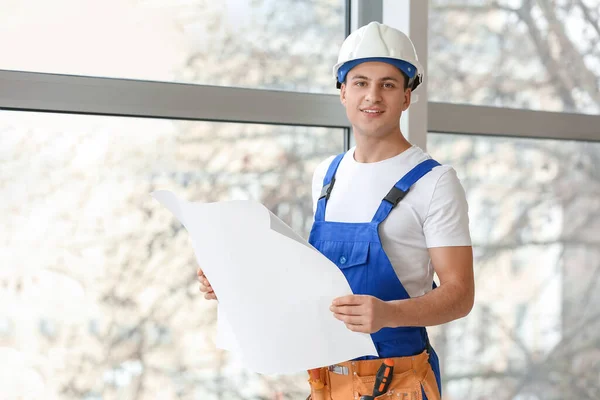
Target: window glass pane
{"points": [[541, 55], [534, 207], [97, 279], [283, 44]]}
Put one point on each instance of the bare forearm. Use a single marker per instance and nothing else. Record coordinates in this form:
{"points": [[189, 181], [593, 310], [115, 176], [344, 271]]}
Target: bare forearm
{"points": [[444, 304]]}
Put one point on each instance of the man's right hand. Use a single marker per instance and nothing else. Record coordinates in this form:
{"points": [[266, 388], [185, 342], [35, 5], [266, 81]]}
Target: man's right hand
{"points": [[205, 287]]}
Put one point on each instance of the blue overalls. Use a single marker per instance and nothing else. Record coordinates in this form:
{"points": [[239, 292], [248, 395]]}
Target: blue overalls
{"points": [[356, 249]]}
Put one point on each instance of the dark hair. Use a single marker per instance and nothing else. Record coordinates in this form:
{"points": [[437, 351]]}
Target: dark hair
{"points": [[406, 80]]}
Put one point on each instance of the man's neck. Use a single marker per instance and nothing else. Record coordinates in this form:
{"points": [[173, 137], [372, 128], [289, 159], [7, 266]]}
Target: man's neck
{"points": [[369, 149]]}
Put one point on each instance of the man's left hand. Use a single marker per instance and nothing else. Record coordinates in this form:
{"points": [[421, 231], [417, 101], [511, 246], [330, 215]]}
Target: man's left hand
{"points": [[361, 313]]}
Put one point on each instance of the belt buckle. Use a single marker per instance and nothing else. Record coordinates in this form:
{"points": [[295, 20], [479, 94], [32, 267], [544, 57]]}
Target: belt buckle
{"points": [[338, 369]]}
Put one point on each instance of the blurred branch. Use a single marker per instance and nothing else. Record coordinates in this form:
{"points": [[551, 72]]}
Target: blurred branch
{"points": [[594, 22], [543, 48], [472, 8], [585, 79], [591, 290], [503, 245]]}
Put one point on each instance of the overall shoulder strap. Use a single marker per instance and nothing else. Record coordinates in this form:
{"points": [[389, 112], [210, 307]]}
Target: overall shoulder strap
{"points": [[401, 188], [328, 183]]}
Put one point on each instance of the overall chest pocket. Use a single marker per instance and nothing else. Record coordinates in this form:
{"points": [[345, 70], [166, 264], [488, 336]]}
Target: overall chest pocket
{"points": [[350, 257]]}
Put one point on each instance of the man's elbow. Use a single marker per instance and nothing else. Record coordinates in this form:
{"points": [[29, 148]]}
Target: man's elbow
{"points": [[466, 305]]}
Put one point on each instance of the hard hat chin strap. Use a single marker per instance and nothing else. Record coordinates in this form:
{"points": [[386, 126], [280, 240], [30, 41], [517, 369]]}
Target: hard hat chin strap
{"points": [[416, 81]]}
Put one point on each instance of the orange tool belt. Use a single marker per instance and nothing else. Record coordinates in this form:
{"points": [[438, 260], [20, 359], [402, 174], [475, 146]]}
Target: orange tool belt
{"points": [[352, 379]]}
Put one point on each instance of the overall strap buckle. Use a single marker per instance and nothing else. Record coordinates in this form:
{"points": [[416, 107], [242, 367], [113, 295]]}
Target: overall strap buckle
{"points": [[326, 190], [395, 195]]}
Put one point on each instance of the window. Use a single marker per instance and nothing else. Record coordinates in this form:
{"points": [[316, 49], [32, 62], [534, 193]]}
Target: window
{"points": [[541, 55], [532, 203], [267, 44], [85, 246]]}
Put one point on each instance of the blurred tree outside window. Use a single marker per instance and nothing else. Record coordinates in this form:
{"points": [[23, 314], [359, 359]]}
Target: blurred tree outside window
{"points": [[534, 208], [268, 44], [526, 54], [97, 279], [99, 298]]}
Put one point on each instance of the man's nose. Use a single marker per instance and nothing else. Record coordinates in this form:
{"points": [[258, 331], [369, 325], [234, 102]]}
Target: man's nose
{"points": [[373, 94]]}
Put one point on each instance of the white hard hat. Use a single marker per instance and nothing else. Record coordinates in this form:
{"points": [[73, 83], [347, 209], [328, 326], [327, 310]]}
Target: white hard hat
{"points": [[379, 42]]}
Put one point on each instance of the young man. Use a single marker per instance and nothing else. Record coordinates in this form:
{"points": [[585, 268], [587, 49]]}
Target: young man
{"points": [[389, 217]]}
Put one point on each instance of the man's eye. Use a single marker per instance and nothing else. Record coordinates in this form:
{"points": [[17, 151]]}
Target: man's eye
{"points": [[388, 85], [360, 84]]}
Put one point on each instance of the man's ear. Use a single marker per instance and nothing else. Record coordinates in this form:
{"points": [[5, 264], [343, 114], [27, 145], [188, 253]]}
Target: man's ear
{"points": [[407, 98], [343, 94]]}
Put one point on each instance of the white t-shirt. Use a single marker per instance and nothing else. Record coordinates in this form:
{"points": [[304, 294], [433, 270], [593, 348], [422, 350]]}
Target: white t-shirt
{"points": [[434, 213]]}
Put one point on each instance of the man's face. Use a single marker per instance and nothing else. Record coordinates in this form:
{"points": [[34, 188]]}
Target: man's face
{"points": [[374, 97]]}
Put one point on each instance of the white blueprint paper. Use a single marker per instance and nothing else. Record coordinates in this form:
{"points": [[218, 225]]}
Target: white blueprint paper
{"points": [[274, 288]]}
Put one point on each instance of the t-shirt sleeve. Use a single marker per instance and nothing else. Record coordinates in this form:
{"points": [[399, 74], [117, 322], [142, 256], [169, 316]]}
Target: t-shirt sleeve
{"points": [[317, 181], [447, 221]]}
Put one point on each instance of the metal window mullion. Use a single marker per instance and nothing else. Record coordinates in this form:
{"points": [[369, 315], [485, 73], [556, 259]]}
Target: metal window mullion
{"points": [[361, 13], [411, 17], [365, 11], [351, 12], [30, 91], [495, 121]]}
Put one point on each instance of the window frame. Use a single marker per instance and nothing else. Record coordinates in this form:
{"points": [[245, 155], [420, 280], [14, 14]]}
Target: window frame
{"points": [[46, 92], [442, 117]]}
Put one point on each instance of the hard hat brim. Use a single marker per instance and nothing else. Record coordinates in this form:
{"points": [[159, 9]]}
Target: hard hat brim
{"points": [[412, 71]]}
